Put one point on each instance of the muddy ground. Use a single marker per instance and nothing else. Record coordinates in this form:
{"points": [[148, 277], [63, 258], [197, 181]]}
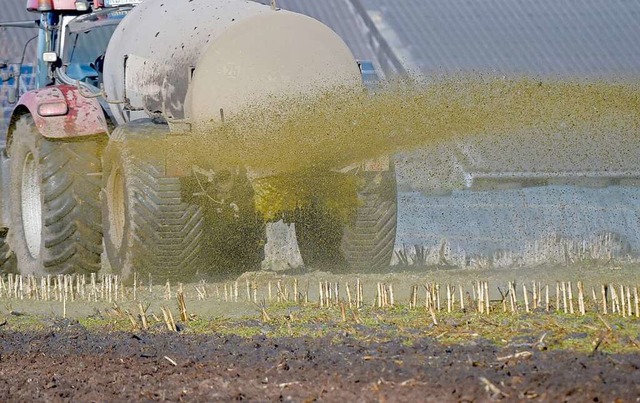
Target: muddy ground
{"points": [[64, 361], [232, 351]]}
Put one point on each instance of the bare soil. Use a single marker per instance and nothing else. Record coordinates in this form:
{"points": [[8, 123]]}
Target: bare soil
{"points": [[64, 361]]}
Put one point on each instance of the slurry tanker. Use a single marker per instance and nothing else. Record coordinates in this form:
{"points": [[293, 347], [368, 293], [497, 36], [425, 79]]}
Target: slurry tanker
{"points": [[114, 75]]}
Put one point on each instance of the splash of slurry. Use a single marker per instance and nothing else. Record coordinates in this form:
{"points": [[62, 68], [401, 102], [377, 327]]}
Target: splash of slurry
{"points": [[300, 138], [346, 126]]}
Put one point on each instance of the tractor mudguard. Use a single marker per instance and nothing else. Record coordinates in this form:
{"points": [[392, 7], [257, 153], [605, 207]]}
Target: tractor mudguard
{"points": [[81, 117]]}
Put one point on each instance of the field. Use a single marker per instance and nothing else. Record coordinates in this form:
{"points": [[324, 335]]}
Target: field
{"points": [[319, 336], [488, 185]]}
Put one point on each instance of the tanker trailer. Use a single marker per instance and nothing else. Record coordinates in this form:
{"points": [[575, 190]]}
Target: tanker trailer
{"points": [[172, 68]]}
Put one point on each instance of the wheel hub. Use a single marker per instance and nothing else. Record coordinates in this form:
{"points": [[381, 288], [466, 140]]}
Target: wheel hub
{"points": [[31, 205], [116, 205]]}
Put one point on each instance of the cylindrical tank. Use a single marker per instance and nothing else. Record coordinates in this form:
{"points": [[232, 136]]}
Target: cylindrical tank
{"points": [[188, 59]]}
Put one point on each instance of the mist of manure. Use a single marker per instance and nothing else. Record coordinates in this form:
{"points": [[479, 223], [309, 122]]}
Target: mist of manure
{"points": [[294, 140]]}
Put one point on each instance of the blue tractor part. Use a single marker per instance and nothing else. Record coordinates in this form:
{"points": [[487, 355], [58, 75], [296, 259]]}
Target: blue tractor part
{"points": [[16, 80]]}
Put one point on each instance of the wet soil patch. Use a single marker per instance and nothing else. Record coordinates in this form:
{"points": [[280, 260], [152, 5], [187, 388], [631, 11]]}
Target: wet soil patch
{"points": [[65, 361]]}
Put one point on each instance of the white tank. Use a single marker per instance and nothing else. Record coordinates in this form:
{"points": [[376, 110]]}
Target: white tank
{"points": [[190, 59]]}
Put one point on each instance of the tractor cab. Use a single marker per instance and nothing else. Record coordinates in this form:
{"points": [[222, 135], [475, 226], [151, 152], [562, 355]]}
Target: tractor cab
{"points": [[84, 43], [73, 39], [71, 36]]}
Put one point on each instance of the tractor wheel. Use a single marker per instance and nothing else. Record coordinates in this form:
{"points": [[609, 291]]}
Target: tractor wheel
{"points": [[365, 244], [149, 228], [54, 200]]}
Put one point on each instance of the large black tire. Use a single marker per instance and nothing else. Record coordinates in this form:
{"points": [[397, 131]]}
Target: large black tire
{"points": [[54, 199], [365, 243], [149, 228]]}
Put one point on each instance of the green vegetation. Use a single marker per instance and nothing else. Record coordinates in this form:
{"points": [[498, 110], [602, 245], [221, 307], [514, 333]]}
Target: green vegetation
{"points": [[522, 331]]}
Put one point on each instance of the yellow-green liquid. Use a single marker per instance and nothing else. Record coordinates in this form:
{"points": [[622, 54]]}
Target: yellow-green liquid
{"points": [[307, 136]]}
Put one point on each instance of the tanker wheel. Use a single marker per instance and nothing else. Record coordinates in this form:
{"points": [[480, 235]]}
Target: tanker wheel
{"points": [[148, 227], [54, 201], [365, 243], [235, 233]]}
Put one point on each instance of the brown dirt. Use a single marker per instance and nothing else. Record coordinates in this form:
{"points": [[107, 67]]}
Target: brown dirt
{"points": [[67, 362]]}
